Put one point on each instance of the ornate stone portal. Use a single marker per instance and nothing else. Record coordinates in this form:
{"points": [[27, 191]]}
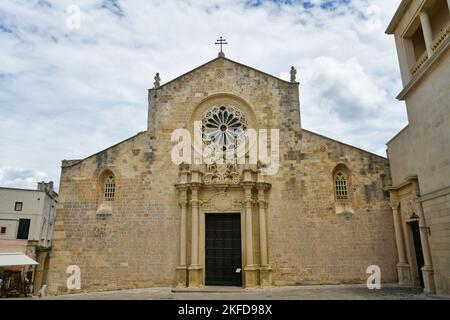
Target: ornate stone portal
{"points": [[223, 188]]}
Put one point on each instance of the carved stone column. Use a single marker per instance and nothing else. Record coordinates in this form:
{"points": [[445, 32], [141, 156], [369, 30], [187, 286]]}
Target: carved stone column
{"points": [[182, 268], [250, 268], [427, 269], [427, 31], [403, 268], [194, 268], [265, 272], [183, 187]]}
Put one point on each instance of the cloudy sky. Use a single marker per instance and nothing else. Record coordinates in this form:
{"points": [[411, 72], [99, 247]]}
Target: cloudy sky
{"points": [[66, 93]]}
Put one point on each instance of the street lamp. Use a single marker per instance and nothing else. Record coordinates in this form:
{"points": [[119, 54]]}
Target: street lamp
{"points": [[415, 218]]}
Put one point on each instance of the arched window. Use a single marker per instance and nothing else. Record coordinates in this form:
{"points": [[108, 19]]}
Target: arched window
{"points": [[341, 186], [343, 190], [110, 188]]}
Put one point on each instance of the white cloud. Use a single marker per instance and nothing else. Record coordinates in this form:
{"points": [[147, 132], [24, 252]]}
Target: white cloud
{"points": [[69, 93], [20, 178]]}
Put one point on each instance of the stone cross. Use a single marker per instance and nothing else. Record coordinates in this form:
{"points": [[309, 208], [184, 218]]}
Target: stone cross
{"points": [[293, 74], [157, 82]]}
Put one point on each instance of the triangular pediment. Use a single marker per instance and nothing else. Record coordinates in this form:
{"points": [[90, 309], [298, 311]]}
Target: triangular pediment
{"points": [[218, 60]]}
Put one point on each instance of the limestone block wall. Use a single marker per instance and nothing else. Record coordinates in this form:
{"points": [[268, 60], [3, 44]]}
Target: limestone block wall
{"points": [[133, 246], [308, 241]]}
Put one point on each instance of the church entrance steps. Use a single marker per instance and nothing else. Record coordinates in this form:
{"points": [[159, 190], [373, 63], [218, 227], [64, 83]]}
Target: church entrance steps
{"points": [[210, 289]]}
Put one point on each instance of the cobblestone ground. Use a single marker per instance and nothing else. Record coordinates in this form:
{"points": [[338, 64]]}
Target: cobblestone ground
{"points": [[323, 292]]}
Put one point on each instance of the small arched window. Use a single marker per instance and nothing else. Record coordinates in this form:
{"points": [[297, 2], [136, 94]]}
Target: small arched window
{"points": [[341, 186], [343, 192], [110, 188]]}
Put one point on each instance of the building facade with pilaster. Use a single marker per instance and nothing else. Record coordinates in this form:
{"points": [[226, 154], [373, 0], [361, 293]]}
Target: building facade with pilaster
{"points": [[419, 155]]}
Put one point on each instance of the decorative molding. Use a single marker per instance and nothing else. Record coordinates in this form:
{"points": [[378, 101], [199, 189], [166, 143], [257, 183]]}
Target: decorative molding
{"points": [[104, 210], [408, 181], [222, 174], [222, 202], [435, 194]]}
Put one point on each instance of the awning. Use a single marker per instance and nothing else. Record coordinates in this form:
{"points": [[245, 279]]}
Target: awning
{"points": [[9, 259]]}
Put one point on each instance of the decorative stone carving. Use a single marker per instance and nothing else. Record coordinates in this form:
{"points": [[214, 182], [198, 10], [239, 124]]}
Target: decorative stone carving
{"points": [[222, 202], [157, 82], [223, 127], [220, 74], [293, 74], [222, 174]]}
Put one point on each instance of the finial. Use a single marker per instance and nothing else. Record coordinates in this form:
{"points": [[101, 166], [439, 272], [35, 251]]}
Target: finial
{"points": [[221, 42], [157, 82], [293, 75]]}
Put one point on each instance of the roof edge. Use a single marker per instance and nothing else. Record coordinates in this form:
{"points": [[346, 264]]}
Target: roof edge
{"points": [[397, 134], [75, 162], [345, 144], [232, 61], [404, 5]]}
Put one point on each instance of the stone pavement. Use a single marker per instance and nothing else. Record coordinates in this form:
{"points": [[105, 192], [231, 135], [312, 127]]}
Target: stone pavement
{"points": [[320, 292]]}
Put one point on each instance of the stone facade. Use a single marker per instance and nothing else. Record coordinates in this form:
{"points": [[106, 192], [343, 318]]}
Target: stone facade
{"points": [[293, 228], [419, 155]]}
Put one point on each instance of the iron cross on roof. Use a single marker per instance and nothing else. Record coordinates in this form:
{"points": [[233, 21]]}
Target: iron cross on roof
{"points": [[221, 41]]}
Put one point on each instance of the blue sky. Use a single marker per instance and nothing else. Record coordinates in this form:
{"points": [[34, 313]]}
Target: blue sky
{"points": [[66, 94]]}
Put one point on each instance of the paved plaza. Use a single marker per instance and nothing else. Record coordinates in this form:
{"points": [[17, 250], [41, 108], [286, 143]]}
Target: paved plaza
{"points": [[322, 292]]}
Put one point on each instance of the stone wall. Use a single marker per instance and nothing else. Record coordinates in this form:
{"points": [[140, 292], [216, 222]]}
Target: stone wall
{"points": [[437, 213], [308, 241], [136, 243]]}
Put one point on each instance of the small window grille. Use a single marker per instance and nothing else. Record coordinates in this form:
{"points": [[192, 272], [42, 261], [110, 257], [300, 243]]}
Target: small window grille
{"points": [[110, 188], [341, 186]]}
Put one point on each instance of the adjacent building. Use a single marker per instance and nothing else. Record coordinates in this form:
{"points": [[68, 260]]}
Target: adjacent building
{"points": [[27, 219], [419, 155]]}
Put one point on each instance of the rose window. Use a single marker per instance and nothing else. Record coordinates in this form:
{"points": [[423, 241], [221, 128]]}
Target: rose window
{"points": [[223, 127]]}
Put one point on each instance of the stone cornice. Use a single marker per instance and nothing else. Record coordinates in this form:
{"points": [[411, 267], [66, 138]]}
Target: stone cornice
{"points": [[263, 185], [409, 180], [435, 194], [404, 5]]}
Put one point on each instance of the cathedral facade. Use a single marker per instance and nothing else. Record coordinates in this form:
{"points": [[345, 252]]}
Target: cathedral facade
{"points": [[131, 217]]}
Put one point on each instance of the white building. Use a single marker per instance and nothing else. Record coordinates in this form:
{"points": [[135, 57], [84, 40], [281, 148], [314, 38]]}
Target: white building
{"points": [[27, 220], [28, 214]]}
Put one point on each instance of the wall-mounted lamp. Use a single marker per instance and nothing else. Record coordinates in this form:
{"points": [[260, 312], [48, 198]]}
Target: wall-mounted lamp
{"points": [[415, 218]]}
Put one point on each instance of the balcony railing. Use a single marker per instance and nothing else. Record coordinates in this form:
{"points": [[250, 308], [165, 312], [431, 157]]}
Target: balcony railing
{"points": [[444, 34], [440, 39], [423, 58]]}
